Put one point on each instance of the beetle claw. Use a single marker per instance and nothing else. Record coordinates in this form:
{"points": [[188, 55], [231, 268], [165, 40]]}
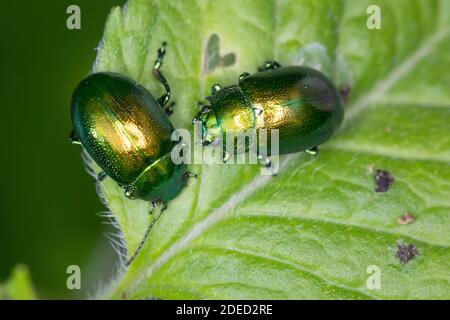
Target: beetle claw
{"points": [[312, 151], [73, 138], [185, 177], [168, 110], [215, 88], [265, 161], [243, 75], [269, 65], [156, 201], [101, 176]]}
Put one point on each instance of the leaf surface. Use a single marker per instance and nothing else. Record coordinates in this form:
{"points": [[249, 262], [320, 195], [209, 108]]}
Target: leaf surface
{"points": [[314, 229]]}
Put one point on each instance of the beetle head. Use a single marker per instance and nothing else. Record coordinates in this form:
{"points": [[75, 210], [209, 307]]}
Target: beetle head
{"points": [[208, 127]]}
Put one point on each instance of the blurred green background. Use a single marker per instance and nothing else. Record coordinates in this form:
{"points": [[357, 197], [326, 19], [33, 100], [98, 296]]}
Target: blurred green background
{"points": [[49, 206]]}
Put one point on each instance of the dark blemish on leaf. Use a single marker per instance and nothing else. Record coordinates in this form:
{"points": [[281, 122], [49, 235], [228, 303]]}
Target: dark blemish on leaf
{"points": [[405, 252], [344, 91], [228, 60], [383, 180], [212, 55], [407, 218], [212, 58]]}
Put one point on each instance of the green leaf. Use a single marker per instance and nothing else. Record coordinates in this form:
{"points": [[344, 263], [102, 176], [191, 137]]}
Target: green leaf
{"points": [[18, 286], [314, 229]]}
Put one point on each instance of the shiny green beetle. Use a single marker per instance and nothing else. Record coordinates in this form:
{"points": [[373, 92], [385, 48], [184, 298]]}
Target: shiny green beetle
{"points": [[302, 103], [128, 134]]}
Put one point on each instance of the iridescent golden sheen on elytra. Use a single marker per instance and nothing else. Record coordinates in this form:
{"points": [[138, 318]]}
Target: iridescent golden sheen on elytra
{"points": [[126, 132], [302, 103]]}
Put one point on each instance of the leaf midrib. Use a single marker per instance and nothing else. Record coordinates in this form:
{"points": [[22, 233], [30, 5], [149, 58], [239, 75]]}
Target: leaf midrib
{"points": [[382, 86]]}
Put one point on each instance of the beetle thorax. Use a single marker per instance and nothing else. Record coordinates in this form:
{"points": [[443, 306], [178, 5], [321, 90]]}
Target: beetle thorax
{"points": [[230, 112]]}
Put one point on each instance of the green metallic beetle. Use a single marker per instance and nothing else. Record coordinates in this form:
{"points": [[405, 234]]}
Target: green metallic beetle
{"points": [[128, 134], [302, 103]]}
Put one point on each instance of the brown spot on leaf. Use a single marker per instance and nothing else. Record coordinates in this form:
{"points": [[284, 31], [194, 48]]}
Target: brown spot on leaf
{"points": [[405, 252], [383, 180], [406, 218], [212, 58]]}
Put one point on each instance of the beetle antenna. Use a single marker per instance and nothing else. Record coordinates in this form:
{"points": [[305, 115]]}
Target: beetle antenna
{"points": [[149, 228]]}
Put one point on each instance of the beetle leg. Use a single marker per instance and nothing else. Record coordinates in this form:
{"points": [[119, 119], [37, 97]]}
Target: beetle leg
{"points": [[185, 177], [160, 77], [204, 108], [344, 91], [312, 151], [154, 202], [169, 108], [243, 75], [225, 156], [102, 175], [215, 88], [265, 161], [269, 65], [73, 138]]}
